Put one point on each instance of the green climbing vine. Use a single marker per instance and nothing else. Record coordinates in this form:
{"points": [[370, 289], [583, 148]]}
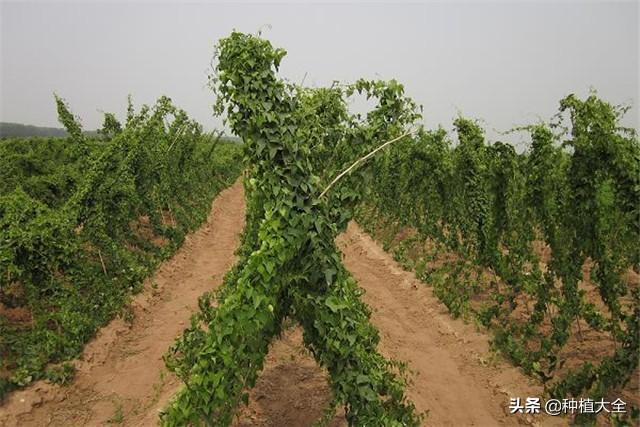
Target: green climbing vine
{"points": [[296, 140]]}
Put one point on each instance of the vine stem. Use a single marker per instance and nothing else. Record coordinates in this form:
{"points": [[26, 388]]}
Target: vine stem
{"points": [[362, 159]]}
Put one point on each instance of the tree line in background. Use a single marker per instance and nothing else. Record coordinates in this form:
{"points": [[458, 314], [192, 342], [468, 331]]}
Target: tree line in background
{"points": [[19, 130]]}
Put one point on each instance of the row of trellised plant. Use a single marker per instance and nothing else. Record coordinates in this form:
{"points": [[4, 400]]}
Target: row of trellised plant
{"points": [[491, 209], [69, 260], [296, 140], [44, 167]]}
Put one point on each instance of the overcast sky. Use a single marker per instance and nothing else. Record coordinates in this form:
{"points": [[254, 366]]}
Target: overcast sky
{"points": [[508, 63]]}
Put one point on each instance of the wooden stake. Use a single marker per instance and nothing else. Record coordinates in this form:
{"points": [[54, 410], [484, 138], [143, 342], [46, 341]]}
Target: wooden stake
{"points": [[104, 269], [362, 159], [579, 329], [173, 221]]}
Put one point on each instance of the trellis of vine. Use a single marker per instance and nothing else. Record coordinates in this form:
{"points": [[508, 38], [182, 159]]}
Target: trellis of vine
{"points": [[296, 140]]}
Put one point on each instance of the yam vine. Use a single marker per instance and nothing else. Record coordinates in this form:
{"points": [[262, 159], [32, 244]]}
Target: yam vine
{"points": [[295, 141]]}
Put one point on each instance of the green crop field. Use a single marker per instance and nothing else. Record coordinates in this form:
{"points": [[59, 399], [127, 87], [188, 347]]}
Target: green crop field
{"points": [[538, 248]]}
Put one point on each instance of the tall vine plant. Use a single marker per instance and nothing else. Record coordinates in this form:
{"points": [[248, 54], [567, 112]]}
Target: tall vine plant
{"points": [[297, 140]]}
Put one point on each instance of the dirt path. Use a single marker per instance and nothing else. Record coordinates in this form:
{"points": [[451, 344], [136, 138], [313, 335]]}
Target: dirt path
{"points": [[457, 378], [122, 379]]}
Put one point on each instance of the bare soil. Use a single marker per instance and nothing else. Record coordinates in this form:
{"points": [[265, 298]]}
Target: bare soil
{"points": [[122, 379]]}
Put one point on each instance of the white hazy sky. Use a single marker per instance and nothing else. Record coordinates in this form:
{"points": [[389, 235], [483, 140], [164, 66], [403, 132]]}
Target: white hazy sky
{"points": [[508, 63]]}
